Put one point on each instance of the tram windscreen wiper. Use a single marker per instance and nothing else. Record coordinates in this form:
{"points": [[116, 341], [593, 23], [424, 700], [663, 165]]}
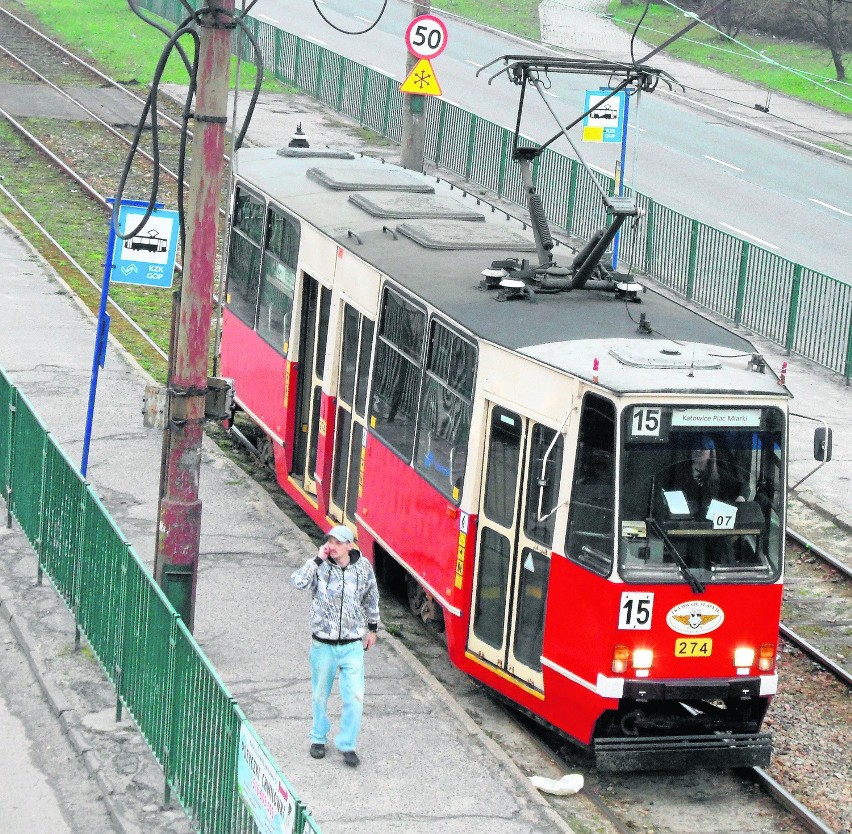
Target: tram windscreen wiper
{"points": [[694, 582]]}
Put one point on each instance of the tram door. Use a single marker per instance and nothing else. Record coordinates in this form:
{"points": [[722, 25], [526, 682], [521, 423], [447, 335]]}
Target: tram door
{"points": [[350, 429], [316, 303], [522, 469]]}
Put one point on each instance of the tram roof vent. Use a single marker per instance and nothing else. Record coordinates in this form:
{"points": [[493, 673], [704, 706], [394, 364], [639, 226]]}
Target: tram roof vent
{"points": [[460, 234], [312, 153], [369, 179], [396, 205], [663, 355]]}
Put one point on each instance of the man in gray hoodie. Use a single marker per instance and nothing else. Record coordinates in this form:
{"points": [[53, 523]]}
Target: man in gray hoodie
{"points": [[344, 621]]}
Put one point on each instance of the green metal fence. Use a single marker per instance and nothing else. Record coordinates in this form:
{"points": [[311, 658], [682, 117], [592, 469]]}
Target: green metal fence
{"points": [[804, 311], [160, 675]]}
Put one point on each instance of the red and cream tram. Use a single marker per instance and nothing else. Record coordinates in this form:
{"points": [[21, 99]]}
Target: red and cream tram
{"points": [[593, 502]]}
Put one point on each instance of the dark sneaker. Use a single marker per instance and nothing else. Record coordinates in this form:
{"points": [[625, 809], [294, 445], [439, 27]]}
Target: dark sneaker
{"points": [[351, 758], [317, 751]]}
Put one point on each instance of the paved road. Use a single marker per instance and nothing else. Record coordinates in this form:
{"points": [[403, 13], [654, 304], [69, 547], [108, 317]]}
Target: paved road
{"points": [[786, 199], [43, 786]]}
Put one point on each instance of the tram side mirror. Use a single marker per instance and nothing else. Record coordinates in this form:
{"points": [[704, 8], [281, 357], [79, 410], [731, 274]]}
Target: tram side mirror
{"points": [[822, 444]]}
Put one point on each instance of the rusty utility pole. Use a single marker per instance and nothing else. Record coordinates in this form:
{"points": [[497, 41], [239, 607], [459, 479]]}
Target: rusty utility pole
{"points": [[179, 533], [414, 110]]}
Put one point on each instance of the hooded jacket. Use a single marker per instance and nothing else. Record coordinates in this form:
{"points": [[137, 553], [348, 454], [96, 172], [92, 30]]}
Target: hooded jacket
{"points": [[345, 600]]}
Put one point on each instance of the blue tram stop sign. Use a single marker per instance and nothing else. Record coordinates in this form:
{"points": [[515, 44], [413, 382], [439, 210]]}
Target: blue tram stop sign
{"points": [[147, 258]]}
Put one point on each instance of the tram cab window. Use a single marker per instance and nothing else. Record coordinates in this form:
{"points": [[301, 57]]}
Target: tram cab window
{"points": [[701, 494], [245, 255], [396, 372], [278, 278], [445, 410], [590, 536]]}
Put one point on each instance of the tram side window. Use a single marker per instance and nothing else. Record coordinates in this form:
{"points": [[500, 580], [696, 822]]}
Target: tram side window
{"points": [[278, 278], [545, 472], [396, 374], [590, 537], [245, 256], [445, 410]]}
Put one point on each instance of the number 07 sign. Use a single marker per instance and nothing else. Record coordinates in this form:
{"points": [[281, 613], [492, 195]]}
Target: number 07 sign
{"points": [[426, 37]]}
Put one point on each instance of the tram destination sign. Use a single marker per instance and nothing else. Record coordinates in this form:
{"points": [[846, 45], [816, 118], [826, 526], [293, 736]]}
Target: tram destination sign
{"points": [[710, 417], [147, 258]]}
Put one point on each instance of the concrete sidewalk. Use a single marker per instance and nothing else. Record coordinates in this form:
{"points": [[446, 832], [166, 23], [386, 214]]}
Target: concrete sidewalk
{"points": [[424, 762], [581, 27]]}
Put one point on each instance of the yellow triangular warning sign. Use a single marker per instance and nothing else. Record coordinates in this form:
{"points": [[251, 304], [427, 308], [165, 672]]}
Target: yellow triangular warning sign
{"points": [[421, 80]]}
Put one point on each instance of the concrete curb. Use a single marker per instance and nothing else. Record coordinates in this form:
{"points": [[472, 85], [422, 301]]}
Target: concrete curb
{"points": [[60, 705], [475, 731]]}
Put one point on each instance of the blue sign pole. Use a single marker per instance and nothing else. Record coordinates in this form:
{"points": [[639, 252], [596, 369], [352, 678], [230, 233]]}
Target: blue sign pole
{"points": [[621, 176], [101, 336]]}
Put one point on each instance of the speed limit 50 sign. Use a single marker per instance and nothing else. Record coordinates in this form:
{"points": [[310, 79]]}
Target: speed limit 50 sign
{"points": [[426, 36]]}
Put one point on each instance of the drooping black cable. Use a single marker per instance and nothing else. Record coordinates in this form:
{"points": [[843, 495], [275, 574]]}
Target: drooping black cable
{"points": [[347, 31], [636, 30], [159, 26], [258, 80]]}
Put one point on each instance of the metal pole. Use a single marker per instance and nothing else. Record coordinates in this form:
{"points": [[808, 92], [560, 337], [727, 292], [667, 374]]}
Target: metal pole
{"points": [[180, 508], [414, 110], [101, 338], [621, 173]]}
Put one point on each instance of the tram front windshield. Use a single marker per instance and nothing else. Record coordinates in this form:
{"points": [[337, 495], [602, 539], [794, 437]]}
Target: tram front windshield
{"points": [[702, 492]]}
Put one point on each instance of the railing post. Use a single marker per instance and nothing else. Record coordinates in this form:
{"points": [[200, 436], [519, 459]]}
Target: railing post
{"points": [[297, 64], [501, 173], [10, 458], [793, 312], [847, 370], [649, 236], [39, 547], [318, 88], [471, 144], [442, 115], [693, 259], [364, 87], [340, 78], [572, 196], [741, 282], [389, 83], [278, 65]]}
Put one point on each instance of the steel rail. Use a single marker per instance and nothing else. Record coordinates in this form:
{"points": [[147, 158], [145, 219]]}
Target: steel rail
{"points": [[820, 553], [126, 316], [117, 133], [112, 82], [784, 798], [812, 651]]}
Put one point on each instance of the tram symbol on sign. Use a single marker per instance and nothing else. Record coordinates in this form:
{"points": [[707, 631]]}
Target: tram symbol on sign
{"points": [[150, 242]]}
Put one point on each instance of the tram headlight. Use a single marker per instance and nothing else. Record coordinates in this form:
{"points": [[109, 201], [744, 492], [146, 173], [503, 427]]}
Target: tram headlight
{"points": [[766, 657], [620, 656], [743, 657], [643, 658]]}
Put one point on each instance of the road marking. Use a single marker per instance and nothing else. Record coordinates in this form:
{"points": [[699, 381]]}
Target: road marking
{"points": [[270, 19], [548, 93], [726, 164], [751, 237], [474, 64], [633, 127], [314, 40], [383, 72], [828, 205], [365, 19]]}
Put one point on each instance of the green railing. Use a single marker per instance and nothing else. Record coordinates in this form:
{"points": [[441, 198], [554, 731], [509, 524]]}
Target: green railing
{"points": [[160, 675], [804, 311]]}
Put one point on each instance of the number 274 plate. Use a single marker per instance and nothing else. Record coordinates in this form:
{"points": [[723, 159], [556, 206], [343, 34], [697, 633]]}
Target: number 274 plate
{"points": [[693, 648]]}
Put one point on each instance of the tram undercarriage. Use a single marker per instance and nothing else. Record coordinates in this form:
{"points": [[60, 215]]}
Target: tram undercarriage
{"points": [[721, 731]]}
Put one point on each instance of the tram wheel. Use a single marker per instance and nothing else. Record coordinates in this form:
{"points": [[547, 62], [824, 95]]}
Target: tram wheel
{"points": [[267, 455], [416, 595]]}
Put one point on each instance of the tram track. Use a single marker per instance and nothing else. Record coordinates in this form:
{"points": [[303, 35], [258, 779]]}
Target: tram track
{"points": [[82, 180]]}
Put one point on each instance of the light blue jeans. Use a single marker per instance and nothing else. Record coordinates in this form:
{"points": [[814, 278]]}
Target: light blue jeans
{"points": [[326, 660]]}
